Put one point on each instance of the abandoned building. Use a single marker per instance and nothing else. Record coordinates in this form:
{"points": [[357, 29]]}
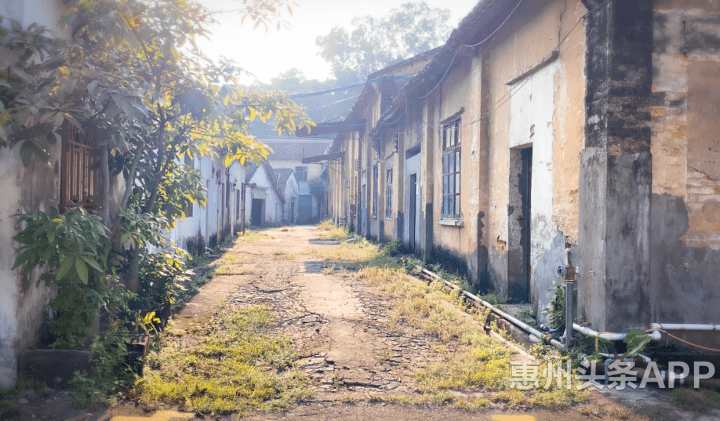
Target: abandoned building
{"points": [[546, 133]]}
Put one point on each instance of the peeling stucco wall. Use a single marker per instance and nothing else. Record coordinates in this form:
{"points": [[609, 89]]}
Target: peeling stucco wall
{"points": [[543, 107], [25, 190], [685, 235]]}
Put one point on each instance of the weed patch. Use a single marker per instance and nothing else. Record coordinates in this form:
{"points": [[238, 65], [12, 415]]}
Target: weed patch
{"points": [[360, 251], [236, 363], [251, 235], [468, 359]]}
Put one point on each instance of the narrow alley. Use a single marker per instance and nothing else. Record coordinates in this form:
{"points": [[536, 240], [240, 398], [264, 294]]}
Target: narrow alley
{"points": [[366, 348]]}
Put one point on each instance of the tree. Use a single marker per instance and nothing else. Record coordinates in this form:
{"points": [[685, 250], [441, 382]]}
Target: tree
{"points": [[373, 44], [132, 78]]}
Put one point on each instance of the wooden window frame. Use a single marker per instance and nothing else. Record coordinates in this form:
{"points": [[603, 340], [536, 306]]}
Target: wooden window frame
{"points": [[79, 170], [451, 160]]}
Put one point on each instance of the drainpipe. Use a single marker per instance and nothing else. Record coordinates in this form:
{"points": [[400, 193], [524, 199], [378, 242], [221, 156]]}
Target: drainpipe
{"points": [[532, 331], [684, 326], [655, 335], [569, 274]]}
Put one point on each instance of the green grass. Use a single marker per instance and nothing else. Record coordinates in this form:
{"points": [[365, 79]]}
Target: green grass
{"points": [[468, 359], [237, 363], [251, 235], [360, 251], [332, 231]]}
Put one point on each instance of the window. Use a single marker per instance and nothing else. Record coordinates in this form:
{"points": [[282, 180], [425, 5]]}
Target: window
{"points": [[388, 194], [301, 173], [451, 169], [375, 192], [78, 179]]}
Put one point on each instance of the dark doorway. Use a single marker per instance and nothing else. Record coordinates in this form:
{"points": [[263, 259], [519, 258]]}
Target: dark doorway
{"points": [[305, 210], [257, 211], [292, 211], [520, 223], [412, 211]]}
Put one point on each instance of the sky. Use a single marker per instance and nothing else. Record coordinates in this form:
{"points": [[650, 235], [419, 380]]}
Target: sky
{"points": [[267, 54]]}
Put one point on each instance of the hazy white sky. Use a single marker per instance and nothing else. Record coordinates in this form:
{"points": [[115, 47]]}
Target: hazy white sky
{"points": [[267, 54]]}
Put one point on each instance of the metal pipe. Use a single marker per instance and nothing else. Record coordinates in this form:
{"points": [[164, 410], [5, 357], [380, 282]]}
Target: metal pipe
{"points": [[684, 326], [569, 310], [656, 336], [532, 331]]}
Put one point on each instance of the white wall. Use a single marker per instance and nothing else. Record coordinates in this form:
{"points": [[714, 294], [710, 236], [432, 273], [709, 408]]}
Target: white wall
{"points": [[25, 190], [273, 203], [290, 194]]}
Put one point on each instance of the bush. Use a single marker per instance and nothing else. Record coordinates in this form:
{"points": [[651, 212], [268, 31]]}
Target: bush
{"points": [[74, 246]]}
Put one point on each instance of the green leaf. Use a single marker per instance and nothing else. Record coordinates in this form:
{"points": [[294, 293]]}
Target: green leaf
{"points": [[92, 263], [64, 267], [636, 340], [22, 258], [29, 149], [82, 270]]}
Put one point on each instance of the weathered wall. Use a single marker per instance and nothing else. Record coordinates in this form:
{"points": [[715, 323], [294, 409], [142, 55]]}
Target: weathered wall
{"points": [[456, 246], [25, 190], [685, 239], [616, 172], [535, 100]]}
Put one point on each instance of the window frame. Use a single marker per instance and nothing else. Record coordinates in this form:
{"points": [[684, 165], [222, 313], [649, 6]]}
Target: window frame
{"points": [[79, 174], [451, 168], [301, 170]]}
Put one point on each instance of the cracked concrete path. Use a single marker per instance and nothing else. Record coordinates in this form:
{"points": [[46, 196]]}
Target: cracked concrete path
{"points": [[339, 327]]}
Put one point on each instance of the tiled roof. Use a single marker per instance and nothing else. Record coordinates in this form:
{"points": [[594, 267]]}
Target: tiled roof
{"points": [[295, 150]]}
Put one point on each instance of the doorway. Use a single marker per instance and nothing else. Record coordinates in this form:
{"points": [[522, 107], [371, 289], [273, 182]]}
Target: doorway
{"points": [[257, 212], [412, 211], [520, 225]]}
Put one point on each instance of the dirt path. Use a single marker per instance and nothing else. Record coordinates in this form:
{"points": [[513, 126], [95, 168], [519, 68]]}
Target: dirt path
{"points": [[339, 325]]}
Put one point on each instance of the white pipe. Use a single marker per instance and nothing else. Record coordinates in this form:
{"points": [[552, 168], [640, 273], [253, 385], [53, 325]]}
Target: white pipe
{"points": [[655, 335], [522, 325], [684, 326]]}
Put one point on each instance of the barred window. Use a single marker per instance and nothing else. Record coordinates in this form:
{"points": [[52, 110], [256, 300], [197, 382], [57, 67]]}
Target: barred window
{"points": [[78, 179], [388, 194], [451, 169]]}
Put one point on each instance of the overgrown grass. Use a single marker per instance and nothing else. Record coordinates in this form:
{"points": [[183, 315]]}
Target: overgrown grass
{"points": [[468, 359], [286, 255], [237, 363], [695, 399], [361, 251], [332, 231], [326, 225], [251, 235]]}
